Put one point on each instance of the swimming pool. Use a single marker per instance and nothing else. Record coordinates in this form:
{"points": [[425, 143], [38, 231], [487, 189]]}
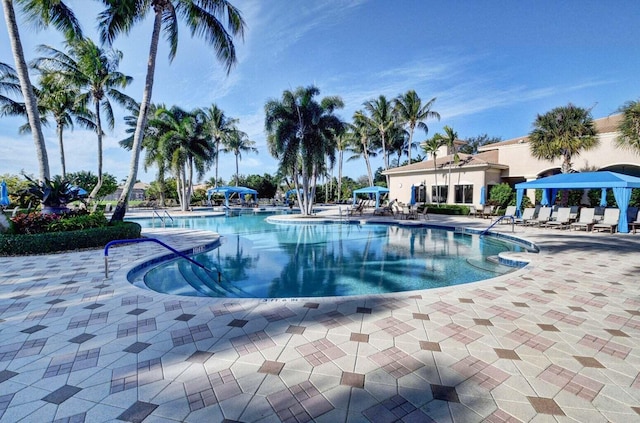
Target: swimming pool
{"points": [[259, 259]]}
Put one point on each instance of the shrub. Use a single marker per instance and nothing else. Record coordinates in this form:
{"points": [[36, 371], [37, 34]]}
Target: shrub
{"points": [[501, 195], [52, 242], [32, 223], [450, 209]]}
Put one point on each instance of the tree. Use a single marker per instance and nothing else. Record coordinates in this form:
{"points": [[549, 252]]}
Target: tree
{"points": [[359, 141], [221, 127], [431, 147], [473, 143], [60, 100], [448, 139], [237, 143], [201, 16], [383, 119], [9, 87], [41, 13], [563, 133], [301, 135], [87, 180], [413, 113], [630, 127], [94, 71]]}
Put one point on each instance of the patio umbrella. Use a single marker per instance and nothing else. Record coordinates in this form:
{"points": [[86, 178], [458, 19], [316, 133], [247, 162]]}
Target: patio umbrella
{"points": [[4, 194], [413, 196], [483, 196]]}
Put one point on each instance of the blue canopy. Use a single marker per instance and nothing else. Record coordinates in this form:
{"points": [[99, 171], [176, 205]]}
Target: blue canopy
{"points": [[412, 201], [4, 194], [228, 191], [371, 190], [291, 192], [620, 183], [483, 195]]}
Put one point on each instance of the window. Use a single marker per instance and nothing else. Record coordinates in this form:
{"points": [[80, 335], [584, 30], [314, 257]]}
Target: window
{"points": [[464, 194], [421, 194], [439, 193]]}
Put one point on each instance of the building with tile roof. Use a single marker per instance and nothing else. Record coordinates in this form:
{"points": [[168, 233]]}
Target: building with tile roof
{"points": [[507, 161]]}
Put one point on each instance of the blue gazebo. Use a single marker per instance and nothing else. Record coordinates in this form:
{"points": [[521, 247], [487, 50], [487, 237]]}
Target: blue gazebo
{"points": [[620, 184], [228, 191], [371, 191]]}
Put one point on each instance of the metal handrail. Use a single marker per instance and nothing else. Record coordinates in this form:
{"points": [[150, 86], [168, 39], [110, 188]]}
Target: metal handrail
{"points": [[513, 221], [161, 217], [138, 240]]}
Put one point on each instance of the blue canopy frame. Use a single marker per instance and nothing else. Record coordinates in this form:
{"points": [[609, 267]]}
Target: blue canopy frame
{"points": [[620, 184], [371, 190], [228, 191]]}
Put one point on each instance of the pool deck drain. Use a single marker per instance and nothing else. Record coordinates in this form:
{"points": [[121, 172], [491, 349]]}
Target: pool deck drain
{"points": [[556, 341]]}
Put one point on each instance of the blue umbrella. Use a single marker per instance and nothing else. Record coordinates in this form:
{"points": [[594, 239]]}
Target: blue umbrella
{"points": [[483, 196], [4, 194], [413, 196]]}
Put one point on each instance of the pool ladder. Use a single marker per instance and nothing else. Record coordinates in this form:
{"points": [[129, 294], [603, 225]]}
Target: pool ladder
{"points": [[165, 215]]}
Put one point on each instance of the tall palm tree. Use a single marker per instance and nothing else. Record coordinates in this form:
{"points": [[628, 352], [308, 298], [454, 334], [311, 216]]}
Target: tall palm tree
{"points": [[449, 138], [342, 143], [41, 13], [185, 145], [221, 128], [359, 136], [563, 133], [94, 71], [382, 117], [60, 100], [301, 135], [630, 127], [413, 113], [431, 147], [201, 16], [237, 143]]}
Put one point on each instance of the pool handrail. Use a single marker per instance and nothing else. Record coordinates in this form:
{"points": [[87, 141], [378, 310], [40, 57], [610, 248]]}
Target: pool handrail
{"points": [[157, 241], [506, 216]]}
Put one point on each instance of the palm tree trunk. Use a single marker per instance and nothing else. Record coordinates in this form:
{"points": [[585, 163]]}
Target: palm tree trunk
{"points": [[237, 172], [59, 130], [215, 182], [435, 177], [94, 191], [340, 157], [410, 144], [121, 207], [30, 101]]}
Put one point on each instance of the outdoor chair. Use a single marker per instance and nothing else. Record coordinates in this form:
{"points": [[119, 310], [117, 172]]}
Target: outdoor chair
{"points": [[585, 220], [609, 222], [634, 223], [486, 212], [527, 215], [425, 213], [510, 211], [562, 220], [544, 215]]}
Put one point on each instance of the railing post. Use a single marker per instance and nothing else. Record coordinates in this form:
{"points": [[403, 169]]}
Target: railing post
{"points": [[106, 267]]}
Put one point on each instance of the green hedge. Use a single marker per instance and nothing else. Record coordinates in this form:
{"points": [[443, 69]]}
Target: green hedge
{"points": [[17, 245], [451, 209]]}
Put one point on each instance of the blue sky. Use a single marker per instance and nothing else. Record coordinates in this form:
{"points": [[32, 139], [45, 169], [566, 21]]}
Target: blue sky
{"points": [[493, 65]]}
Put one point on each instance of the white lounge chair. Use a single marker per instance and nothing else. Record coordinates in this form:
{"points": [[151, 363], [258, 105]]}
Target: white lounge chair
{"points": [[585, 221], [609, 222], [635, 223], [510, 211], [527, 215], [543, 217], [562, 219]]}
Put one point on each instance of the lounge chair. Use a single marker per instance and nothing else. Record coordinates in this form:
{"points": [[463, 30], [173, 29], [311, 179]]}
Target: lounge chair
{"points": [[510, 211], [609, 222], [357, 209], [585, 220], [634, 223], [562, 220], [425, 213], [543, 217], [527, 215], [486, 212]]}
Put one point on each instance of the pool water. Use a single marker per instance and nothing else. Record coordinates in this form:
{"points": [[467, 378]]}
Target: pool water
{"points": [[258, 259]]}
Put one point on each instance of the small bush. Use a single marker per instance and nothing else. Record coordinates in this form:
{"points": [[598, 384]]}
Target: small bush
{"points": [[450, 209], [37, 223], [52, 242]]}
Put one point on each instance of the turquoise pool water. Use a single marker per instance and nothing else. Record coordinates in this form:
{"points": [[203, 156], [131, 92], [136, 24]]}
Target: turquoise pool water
{"points": [[259, 259]]}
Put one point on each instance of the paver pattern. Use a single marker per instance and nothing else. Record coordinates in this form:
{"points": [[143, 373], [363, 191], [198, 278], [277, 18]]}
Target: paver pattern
{"points": [[555, 341]]}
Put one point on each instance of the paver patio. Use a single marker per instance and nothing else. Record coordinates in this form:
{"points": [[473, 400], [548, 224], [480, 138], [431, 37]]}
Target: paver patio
{"points": [[555, 341]]}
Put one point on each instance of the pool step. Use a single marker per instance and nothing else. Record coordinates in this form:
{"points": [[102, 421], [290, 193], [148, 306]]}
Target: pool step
{"points": [[489, 264], [196, 281]]}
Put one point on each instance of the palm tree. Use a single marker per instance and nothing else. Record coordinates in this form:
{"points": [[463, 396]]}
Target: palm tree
{"points": [[359, 136], [61, 101], [9, 87], [431, 147], [185, 144], [449, 138], [201, 16], [42, 13], [221, 128], [237, 143], [563, 133], [413, 113], [342, 143], [630, 127], [383, 119], [94, 71], [301, 134]]}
